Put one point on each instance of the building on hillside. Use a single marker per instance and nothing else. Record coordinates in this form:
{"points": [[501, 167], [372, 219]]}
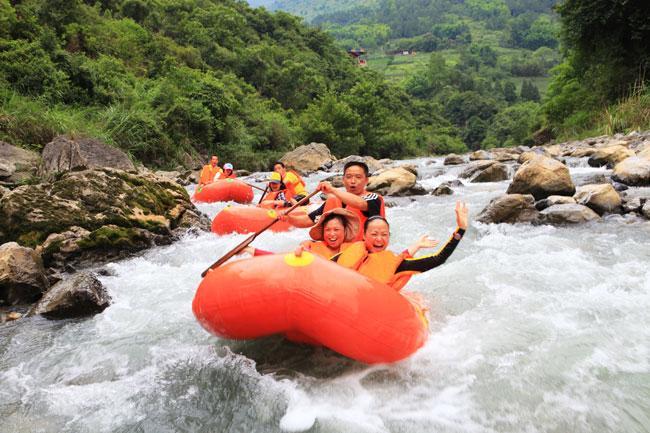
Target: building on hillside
{"points": [[359, 55]]}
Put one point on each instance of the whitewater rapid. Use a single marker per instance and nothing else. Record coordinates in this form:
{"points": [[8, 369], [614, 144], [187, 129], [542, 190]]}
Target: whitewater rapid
{"points": [[534, 329]]}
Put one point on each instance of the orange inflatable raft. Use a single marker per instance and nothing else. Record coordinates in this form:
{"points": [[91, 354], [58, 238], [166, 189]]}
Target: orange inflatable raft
{"points": [[224, 190], [310, 300], [246, 219]]}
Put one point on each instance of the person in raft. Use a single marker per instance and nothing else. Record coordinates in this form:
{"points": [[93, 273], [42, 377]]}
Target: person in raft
{"points": [[228, 172], [209, 171], [371, 258], [355, 198], [333, 233], [292, 180], [278, 196]]}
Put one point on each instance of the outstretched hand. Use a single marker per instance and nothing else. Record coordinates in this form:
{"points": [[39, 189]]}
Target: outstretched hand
{"points": [[424, 242], [462, 215]]}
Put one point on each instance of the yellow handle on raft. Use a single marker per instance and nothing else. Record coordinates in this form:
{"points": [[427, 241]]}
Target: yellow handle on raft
{"points": [[252, 237]]}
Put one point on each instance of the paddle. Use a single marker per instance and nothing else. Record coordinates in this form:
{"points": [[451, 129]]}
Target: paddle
{"points": [[254, 186], [252, 237], [263, 194]]}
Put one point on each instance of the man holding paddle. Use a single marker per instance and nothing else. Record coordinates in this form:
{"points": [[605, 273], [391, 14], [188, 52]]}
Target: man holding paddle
{"points": [[355, 198]]}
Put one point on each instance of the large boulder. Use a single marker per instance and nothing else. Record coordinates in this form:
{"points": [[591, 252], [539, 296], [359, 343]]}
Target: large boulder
{"points": [[509, 208], [372, 163], [105, 211], [453, 159], [78, 296], [485, 171], [308, 157], [22, 275], [541, 177], [582, 152], [601, 198], [633, 171], [395, 181], [16, 165], [530, 154], [561, 214], [609, 156], [479, 155], [65, 154]]}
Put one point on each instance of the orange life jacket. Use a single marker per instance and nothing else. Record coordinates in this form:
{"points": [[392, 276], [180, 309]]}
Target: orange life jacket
{"points": [[208, 172], [294, 188], [380, 266], [320, 248], [333, 202]]}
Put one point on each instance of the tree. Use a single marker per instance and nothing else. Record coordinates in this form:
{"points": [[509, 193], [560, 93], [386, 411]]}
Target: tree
{"points": [[510, 92], [529, 91], [512, 126]]}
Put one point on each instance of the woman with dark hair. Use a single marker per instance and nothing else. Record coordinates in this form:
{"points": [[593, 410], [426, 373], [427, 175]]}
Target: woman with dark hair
{"points": [[330, 236]]}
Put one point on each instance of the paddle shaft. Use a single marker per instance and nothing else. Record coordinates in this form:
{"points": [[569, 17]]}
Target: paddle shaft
{"points": [[252, 237], [263, 194], [254, 186]]}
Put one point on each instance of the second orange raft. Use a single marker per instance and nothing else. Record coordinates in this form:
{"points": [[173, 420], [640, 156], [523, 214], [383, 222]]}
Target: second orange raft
{"points": [[224, 190], [312, 300], [246, 219]]}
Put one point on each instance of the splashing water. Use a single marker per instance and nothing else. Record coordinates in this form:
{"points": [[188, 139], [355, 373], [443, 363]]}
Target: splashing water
{"points": [[534, 329]]}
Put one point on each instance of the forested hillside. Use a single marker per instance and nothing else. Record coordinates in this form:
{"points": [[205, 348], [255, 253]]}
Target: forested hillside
{"points": [[167, 79]]}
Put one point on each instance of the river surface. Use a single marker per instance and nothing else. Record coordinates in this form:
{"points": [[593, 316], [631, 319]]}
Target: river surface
{"points": [[534, 329]]}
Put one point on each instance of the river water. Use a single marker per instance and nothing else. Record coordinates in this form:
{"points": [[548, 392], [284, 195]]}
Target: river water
{"points": [[534, 329]]}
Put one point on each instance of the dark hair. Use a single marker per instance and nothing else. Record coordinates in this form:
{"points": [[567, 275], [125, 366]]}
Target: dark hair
{"points": [[361, 164], [276, 163], [374, 218], [332, 216]]}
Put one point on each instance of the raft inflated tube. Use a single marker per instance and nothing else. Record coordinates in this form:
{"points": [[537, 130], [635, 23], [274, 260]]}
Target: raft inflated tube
{"points": [[224, 190], [247, 219], [312, 300]]}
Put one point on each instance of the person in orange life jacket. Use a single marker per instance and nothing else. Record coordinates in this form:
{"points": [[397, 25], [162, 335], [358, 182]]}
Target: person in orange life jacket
{"points": [[278, 196], [371, 258], [209, 171], [331, 235], [292, 180], [228, 172], [355, 198]]}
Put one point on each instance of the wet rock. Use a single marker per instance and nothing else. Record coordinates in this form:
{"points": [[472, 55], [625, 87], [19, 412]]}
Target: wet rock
{"points": [[485, 171], [561, 214], [633, 171], [542, 177], [506, 156], [632, 204], [181, 178], [479, 155], [509, 208], [308, 157], [372, 163], [609, 156], [78, 296], [601, 198], [442, 190], [582, 152], [17, 165], [453, 159], [645, 210], [242, 173], [3, 191], [65, 154], [22, 275], [553, 200], [555, 150], [620, 187], [526, 156], [399, 181], [336, 180], [107, 212]]}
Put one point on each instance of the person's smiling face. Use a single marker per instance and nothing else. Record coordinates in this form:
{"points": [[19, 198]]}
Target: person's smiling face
{"points": [[377, 236]]}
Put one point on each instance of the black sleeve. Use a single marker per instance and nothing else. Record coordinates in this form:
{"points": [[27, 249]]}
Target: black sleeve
{"points": [[374, 205], [426, 263], [316, 213]]}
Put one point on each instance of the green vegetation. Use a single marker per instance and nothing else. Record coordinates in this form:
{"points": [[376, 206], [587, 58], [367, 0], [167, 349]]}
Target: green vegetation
{"points": [[476, 61], [162, 79]]}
